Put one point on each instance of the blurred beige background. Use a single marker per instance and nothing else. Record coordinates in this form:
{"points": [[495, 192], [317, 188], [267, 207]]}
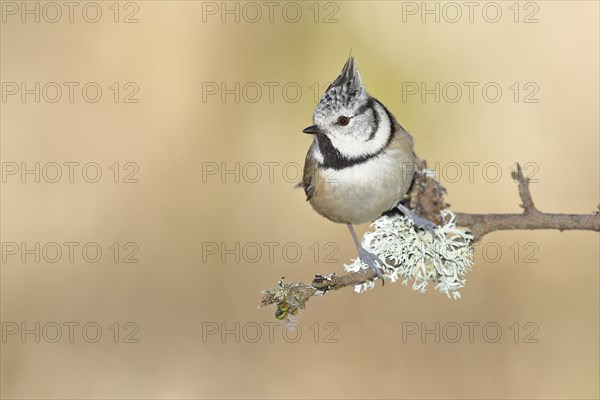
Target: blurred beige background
{"points": [[179, 293]]}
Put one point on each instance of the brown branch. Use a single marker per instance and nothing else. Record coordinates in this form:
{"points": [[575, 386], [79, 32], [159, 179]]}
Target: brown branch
{"points": [[482, 224], [531, 218], [290, 297], [426, 198]]}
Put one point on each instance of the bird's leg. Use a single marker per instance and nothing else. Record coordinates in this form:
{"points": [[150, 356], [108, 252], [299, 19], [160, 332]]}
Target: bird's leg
{"points": [[366, 257], [419, 221]]}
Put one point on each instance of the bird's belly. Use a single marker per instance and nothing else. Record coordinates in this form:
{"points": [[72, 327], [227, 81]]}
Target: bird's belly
{"points": [[357, 195]]}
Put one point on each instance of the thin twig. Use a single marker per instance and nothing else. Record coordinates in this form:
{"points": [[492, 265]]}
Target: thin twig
{"points": [[524, 194]]}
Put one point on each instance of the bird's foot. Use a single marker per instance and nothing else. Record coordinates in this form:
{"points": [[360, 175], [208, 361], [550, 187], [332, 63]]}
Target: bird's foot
{"points": [[372, 261], [419, 221]]}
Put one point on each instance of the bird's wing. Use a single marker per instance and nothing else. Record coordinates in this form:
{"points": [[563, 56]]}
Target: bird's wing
{"points": [[309, 188], [310, 170]]}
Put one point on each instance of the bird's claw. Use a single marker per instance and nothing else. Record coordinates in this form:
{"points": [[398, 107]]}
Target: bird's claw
{"points": [[419, 221], [372, 261]]}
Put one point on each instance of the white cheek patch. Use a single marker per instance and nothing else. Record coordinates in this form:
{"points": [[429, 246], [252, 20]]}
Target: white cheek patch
{"points": [[362, 142]]}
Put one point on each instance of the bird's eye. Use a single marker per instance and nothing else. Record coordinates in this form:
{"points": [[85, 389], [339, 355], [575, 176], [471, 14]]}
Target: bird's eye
{"points": [[343, 121]]}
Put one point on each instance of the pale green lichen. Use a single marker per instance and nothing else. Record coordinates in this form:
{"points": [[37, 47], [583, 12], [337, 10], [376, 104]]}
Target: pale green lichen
{"points": [[413, 255]]}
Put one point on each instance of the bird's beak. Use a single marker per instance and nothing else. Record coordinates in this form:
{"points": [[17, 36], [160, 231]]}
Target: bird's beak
{"points": [[313, 129]]}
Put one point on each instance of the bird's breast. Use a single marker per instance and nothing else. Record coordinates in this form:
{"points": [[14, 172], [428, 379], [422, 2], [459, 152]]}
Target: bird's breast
{"points": [[363, 192]]}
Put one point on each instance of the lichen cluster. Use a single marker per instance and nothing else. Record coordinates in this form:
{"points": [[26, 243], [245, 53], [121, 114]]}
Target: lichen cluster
{"points": [[416, 255]]}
